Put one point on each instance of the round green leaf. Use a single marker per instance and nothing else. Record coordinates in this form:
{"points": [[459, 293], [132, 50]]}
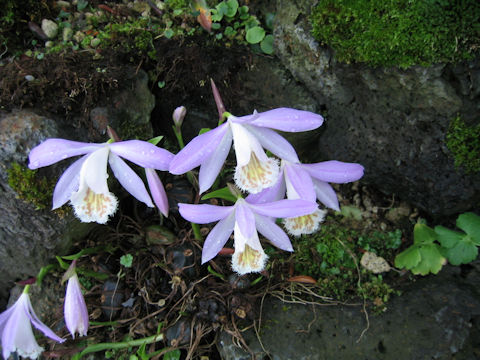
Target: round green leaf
{"points": [[470, 223], [255, 35], [267, 45]]}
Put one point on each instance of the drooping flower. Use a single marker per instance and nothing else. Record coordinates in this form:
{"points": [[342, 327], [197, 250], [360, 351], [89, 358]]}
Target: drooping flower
{"points": [[74, 307], [16, 329], [245, 219], [250, 135], [84, 183], [309, 182]]}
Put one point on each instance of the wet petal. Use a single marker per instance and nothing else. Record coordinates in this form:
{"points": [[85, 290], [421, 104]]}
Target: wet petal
{"points": [[299, 183], [198, 150], [326, 195], [158, 191], [284, 208], [129, 179], [245, 219], [143, 153], [287, 119], [67, 184], [204, 213], [212, 166], [335, 171], [54, 150], [217, 237], [273, 232], [274, 142]]}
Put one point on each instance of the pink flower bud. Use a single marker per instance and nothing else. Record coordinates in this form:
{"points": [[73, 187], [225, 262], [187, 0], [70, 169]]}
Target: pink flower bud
{"points": [[178, 115]]}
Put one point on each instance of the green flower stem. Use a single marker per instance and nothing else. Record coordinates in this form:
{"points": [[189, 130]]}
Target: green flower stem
{"points": [[119, 345], [178, 134], [27, 288]]}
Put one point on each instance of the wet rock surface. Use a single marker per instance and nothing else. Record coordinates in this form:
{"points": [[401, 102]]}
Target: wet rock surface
{"points": [[392, 121], [438, 317]]}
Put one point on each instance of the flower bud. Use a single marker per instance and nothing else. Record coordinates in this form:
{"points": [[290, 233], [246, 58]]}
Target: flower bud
{"points": [[178, 115]]}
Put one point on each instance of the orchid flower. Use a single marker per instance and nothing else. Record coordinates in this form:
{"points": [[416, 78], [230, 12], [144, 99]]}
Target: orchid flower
{"points": [[74, 309], [244, 219], [309, 182], [84, 183], [250, 135], [16, 329]]}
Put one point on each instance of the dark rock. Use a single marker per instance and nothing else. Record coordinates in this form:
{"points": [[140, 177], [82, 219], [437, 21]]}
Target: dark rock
{"points": [[438, 317], [179, 333], [29, 237], [391, 121]]}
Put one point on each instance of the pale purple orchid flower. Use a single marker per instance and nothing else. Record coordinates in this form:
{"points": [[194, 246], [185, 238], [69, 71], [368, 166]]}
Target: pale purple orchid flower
{"points": [[309, 182], [250, 135], [74, 308], [245, 219], [16, 329], [84, 183]]}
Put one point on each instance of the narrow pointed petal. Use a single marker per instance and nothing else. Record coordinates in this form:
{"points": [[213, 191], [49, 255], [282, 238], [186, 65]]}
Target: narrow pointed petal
{"points": [[217, 237], [284, 208], [157, 190], [204, 213], [75, 309], [54, 150], [37, 323], [274, 142], [335, 171], [129, 179], [94, 171], [143, 153], [245, 219], [299, 183], [67, 184], [326, 195], [212, 166], [198, 150], [273, 193], [287, 119], [273, 232]]}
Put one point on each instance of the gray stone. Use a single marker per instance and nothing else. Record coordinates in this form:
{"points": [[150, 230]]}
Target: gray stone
{"points": [[29, 237], [391, 121], [435, 318]]}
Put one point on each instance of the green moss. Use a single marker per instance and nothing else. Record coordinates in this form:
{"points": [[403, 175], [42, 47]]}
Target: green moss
{"points": [[464, 143], [332, 256], [398, 32], [29, 186]]}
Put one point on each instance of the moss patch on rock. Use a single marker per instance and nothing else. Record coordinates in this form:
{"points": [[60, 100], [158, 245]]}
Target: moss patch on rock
{"points": [[398, 32], [464, 143]]}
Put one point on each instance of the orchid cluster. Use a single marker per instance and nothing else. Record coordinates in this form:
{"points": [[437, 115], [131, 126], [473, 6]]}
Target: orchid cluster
{"points": [[279, 186], [16, 322]]}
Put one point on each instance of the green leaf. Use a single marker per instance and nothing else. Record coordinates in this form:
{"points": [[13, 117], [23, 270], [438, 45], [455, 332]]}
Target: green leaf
{"points": [[126, 260], [470, 223], [232, 7], [215, 26], [267, 45], [155, 140], [463, 252], [423, 234], [255, 35], [223, 193], [203, 131], [448, 238], [408, 258], [168, 33], [172, 355], [431, 260]]}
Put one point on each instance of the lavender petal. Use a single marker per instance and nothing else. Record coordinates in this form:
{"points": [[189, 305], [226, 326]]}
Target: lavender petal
{"points": [[143, 153], [217, 237], [274, 142], [326, 195], [273, 232], [287, 119], [335, 171], [204, 213], [67, 184]]}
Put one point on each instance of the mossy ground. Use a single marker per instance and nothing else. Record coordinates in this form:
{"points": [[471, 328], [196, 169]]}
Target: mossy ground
{"points": [[398, 32]]}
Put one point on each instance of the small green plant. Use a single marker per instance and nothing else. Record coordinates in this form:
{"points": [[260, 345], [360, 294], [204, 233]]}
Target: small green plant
{"points": [[464, 143], [126, 260], [433, 247]]}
